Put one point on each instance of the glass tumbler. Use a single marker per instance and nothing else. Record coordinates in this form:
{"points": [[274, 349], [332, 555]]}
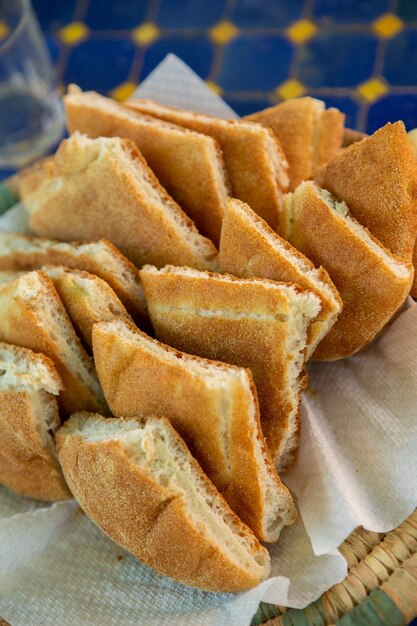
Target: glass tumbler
{"points": [[31, 111]]}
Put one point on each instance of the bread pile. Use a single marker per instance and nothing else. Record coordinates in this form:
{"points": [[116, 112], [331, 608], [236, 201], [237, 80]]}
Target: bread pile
{"points": [[155, 329]]}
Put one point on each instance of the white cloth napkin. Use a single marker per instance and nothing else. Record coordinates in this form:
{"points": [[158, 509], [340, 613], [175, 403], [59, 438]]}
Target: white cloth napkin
{"points": [[357, 465]]}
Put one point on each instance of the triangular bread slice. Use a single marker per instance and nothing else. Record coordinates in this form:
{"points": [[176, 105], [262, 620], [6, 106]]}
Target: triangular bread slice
{"points": [[18, 252], [188, 164], [253, 323], [33, 316], [309, 134], [372, 282], [87, 298], [377, 178], [254, 159], [136, 479], [104, 188], [213, 406], [29, 416], [250, 248]]}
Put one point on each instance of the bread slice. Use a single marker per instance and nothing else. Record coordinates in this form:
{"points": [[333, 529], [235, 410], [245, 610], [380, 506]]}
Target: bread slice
{"points": [[18, 252], [250, 248], [104, 188], [87, 298], [29, 417], [213, 406], [33, 316], [254, 159], [377, 178], [309, 134], [136, 479], [188, 164], [371, 281], [251, 323]]}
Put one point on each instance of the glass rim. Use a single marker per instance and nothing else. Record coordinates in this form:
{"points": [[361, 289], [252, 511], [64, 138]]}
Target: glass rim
{"points": [[25, 14]]}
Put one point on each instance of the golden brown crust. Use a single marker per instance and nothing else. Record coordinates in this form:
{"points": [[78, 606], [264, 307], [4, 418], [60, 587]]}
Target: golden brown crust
{"points": [[99, 257], [27, 467], [377, 178], [86, 298], [150, 521], [370, 290], [330, 128], [219, 424], [91, 191], [21, 324], [250, 248], [188, 164], [251, 153], [293, 122], [246, 324]]}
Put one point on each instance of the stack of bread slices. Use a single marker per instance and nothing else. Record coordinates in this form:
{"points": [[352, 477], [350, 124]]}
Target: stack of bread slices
{"points": [[155, 329]]}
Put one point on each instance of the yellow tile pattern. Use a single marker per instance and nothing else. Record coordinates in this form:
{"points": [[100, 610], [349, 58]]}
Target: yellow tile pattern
{"points": [[218, 59], [387, 25], [372, 89], [290, 89], [301, 31], [216, 88], [4, 29], [123, 91], [73, 33], [223, 32], [146, 34]]}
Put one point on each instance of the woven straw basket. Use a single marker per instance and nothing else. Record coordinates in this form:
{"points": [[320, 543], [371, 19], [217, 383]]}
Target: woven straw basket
{"points": [[379, 590]]}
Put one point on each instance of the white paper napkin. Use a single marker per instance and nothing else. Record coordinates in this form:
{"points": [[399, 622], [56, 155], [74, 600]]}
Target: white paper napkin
{"points": [[57, 567], [360, 438], [357, 465], [173, 83]]}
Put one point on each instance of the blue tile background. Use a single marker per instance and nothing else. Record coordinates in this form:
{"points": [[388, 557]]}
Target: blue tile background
{"points": [[334, 59], [54, 15], [391, 108], [349, 11], [407, 10], [266, 13], [185, 14], [348, 105], [121, 14], [255, 63], [341, 52], [400, 60], [111, 60], [197, 53]]}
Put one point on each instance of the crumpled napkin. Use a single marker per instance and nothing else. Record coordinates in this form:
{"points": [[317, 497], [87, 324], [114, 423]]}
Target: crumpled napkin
{"points": [[357, 465]]}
